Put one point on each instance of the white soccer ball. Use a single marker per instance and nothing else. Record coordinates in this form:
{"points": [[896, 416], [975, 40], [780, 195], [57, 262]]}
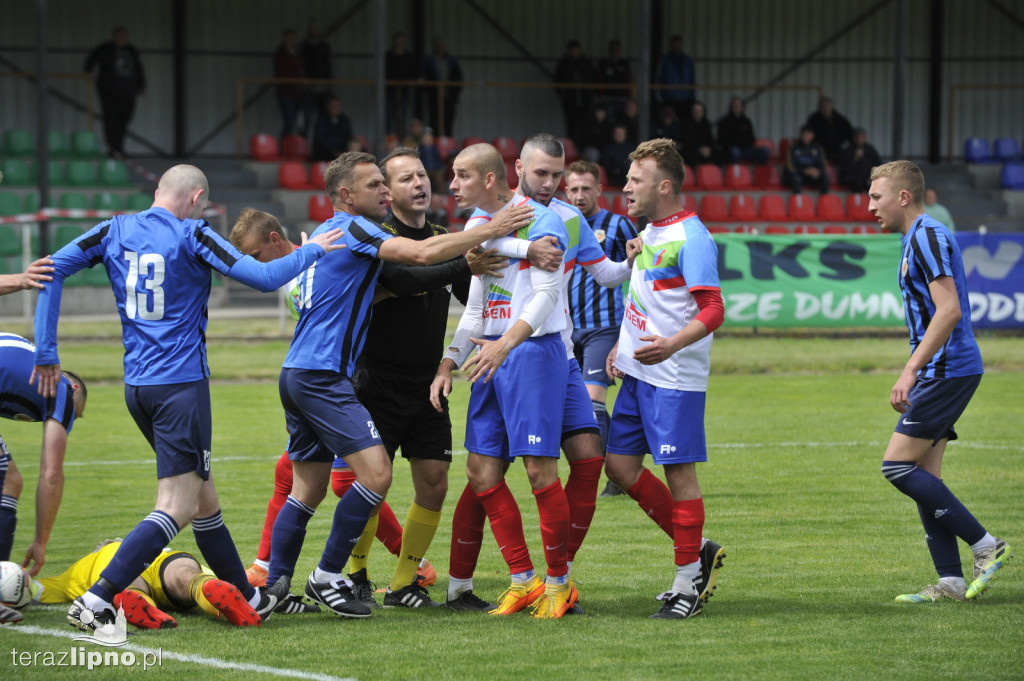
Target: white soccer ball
{"points": [[15, 585]]}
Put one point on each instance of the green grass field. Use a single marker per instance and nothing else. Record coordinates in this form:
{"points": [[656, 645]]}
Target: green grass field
{"points": [[818, 542]]}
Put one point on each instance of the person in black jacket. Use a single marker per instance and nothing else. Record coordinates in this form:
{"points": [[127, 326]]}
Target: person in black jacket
{"points": [[736, 136], [119, 81], [697, 138], [806, 164], [332, 133], [575, 68], [832, 130], [856, 162]]}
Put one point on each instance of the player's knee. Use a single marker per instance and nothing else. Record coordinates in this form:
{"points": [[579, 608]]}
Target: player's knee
{"points": [[377, 479], [13, 482]]}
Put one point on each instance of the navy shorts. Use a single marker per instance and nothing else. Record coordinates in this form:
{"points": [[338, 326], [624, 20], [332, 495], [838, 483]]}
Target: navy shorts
{"points": [[324, 418], [591, 347], [400, 406], [578, 415], [935, 406], [175, 420]]}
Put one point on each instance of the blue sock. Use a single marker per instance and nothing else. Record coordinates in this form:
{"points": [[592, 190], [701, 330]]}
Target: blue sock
{"points": [[8, 523], [214, 541], [286, 540], [350, 516], [601, 414], [941, 544], [931, 493], [139, 549]]}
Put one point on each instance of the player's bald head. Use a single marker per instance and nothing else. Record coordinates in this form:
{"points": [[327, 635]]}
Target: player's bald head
{"points": [[184, 179], [483, 158]]}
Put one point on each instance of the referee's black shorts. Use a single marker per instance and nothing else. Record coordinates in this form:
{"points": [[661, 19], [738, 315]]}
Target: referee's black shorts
{"points": [[401, 409]]}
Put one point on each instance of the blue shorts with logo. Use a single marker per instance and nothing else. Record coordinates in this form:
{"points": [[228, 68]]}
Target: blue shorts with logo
{"points": [[578, 416], [176, 421], [519, 411], [324, 418], [669, 424], [935, 406], [591, 347]]}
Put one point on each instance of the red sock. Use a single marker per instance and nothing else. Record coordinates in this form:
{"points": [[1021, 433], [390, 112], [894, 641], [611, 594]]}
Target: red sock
{"points": [[656, 500], [553, 509], [507, 527], [467, 535], [282, 487], [389, 530], [688, 523], [581, 491]]}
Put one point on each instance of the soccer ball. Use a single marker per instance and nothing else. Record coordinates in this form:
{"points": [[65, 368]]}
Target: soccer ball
{"points": [[15, 585]]}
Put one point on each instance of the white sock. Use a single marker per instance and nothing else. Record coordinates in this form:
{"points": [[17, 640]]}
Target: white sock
{"points": [[685, 575], [95, 603], [457, 586], [255, 600], [423, 562], [522, 577], [321, 577], [265, 564], [986, 542], [568, 563], [564, 579], [955, 583]]}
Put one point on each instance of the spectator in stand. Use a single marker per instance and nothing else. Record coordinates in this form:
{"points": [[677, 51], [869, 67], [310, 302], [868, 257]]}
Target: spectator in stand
{"points": [[615, 156], [316, 59], [597, 132], [575, 68], [937, 210], [441, 66], [667, 126], [399, 64], [805, 163], [628, 118], [332, 133], [698, 139], [435, 166], [119, 80], [614, 70], [736, 136], [414, 133], [831, 129], [291, 97], [676, 68], [856, 162]]}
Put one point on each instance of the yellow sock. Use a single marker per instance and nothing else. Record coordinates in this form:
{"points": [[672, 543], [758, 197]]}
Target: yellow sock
{"points": [[418, 532], [361, 551], [195, 590]]}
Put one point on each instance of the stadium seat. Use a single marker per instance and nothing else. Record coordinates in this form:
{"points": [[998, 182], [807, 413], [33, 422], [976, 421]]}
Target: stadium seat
{"points": [[364, 144], [710, 177], [857, 208], [620, 205], [57, 143], [10, 203], [1005, 149], [108, 201], [263, 147], [602, 202], [718, 229], [767, 177], [784, 144], [836, 229], [830, 208], [866, 229], [10, 240], [769, 145], [31, 202], [469, 141], [776, 229], [805, 229], [739, 176], [801, 208], [81, 174], [745, 229], [571, 155], [601, 180], [138, 202], [320, 208], [295, 147], [85, 144], [1012, 176], [114, 174], [19, 142], [507, 147], [742, 208], [689, 178], [56, 172], [446, 146], [73, 201], [713, 209], [773, 208], [65, 234], [688, 203], [316, 175], [976, 150], [293, 175], [15, 171], [510, 174]]}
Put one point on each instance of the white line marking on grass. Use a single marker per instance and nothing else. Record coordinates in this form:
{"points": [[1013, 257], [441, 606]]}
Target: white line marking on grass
{"points": [[200, 660]]}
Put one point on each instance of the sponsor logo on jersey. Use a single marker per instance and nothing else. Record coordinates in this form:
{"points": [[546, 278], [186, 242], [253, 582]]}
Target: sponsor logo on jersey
{"points": [[636, 314], [498, 304]]}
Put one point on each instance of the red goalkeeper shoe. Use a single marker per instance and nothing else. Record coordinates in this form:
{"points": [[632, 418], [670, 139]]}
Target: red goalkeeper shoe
{"points": [[142, 612]]}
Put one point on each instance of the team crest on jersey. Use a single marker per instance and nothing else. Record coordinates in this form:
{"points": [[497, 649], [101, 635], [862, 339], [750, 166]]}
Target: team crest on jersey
{"points": [[904, 267], [658, 255], [635, 313], [499, 303], [600, 235]]}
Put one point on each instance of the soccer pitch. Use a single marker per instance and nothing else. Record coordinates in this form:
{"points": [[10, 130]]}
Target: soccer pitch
{"points": [[818, 542]]}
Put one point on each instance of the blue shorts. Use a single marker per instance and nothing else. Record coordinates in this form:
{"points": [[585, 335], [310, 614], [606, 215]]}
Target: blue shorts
{"points": [[578, 416], [591, 347], [519, 411], [324, 418], [935, 405], [670, 426], [175, 419]]}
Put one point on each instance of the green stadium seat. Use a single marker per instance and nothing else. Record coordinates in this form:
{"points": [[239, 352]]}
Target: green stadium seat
{"points": [[15, 171], [95, 276], [56, 173], [82, 173], [19, 143], [10, 240], [139, 202], [31, 204], [85, 144], [10, 203], [114, 174], [57, 143], [65, 234], [74, 201], [108, 201]]}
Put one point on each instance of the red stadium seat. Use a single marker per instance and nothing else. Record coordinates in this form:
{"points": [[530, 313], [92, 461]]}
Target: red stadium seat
{"points": [[769, 145], [320, 208], [738, 176], [806, 229], [776, 229], [619, 204], [866, 229], [447, 146], [745, 229], [690, 178], [857, 208], [773, 208], [742, 208], [295, 147], [784, 145], [364, 144], [801, 208], [293, 175], [469, 141], [603, 180], [710, 177], [507, 147], [316, 175], [718, 229], [263, 147], [767, 177], [688, 203], [830, 208], [602, 202], [511, 175], [836, 229], [712, 208], [571, 154]]}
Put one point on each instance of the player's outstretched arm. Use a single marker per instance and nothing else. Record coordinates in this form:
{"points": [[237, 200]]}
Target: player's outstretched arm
{"points": [[33, 277], [48, 377], [326, 240]]}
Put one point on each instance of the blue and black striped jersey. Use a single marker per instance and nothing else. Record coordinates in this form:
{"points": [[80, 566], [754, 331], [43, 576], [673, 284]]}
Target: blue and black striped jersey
{"points": [[19, 399], [590, 304]]}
